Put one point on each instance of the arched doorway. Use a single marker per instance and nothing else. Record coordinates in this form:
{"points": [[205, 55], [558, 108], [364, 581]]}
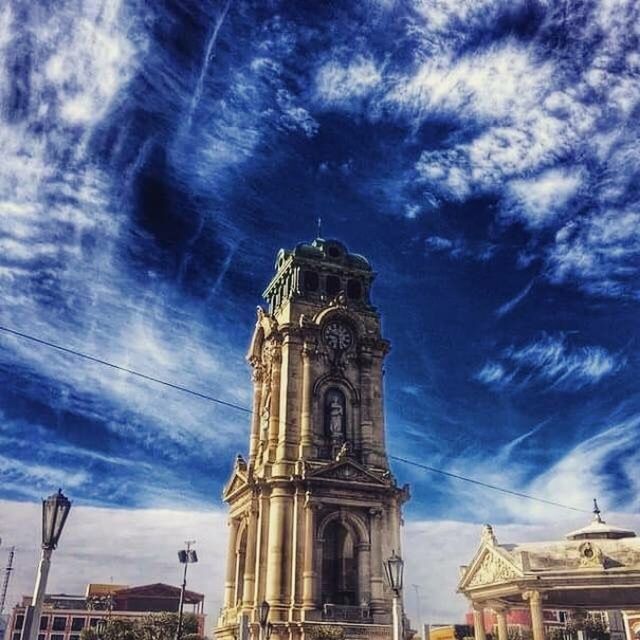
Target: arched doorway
{"points": [[339, 565]]}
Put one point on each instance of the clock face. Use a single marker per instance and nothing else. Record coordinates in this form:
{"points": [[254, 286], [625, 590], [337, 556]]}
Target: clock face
{"points": [[338, 336]]}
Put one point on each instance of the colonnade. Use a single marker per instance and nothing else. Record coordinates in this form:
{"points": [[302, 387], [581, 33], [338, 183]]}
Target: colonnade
{"points": [[501, 611]]}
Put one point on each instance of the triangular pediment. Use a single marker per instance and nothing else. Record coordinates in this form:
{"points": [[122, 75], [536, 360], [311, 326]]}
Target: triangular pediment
{"points": [[348, 470], [237, 482], [491, 565]]}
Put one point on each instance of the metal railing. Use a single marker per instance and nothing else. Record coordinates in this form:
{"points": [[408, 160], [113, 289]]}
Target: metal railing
{"points": [[346, 613]]}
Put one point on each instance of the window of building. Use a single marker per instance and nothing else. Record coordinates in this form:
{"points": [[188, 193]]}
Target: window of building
{"points": [[354, 289], [77, 624], [16, 635], [333, 285], [56, 636], [311, 281], [41, 636], [93, 622], [74, 637], [19, 621], [44, 623], [59, 623]]}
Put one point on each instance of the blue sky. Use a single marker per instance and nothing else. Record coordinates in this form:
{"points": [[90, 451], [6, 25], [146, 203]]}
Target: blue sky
{"points": [[483, 154]]}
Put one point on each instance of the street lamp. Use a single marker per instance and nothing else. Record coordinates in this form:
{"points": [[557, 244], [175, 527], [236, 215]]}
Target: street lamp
{"points": [[263, 619], [55, 510], [186, 557], [394, 569]]}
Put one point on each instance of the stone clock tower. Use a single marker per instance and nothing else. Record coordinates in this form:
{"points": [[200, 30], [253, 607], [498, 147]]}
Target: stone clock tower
{"points": [[315, 510]]}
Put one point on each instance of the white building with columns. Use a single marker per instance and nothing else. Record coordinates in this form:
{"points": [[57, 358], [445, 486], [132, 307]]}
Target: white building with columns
{"points": [[596, 568]]}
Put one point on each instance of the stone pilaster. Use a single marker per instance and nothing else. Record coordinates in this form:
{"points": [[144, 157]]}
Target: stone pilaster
{"points": [[309, 574], [248, 590], [254, 439], [230, 583], [306, 428]]}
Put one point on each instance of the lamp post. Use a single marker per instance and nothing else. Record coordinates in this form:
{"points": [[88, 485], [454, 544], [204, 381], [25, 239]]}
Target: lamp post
{"points": [[394, 569], [263, 619], [55, 510], [186, 557]]}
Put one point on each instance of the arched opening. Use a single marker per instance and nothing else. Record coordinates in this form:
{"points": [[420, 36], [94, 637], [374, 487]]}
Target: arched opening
{"points": [[241, 552], [339, 566]]}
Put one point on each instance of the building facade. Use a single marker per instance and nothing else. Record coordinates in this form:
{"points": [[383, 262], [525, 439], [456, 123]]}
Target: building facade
{"points": [[585, 580], [314, 510], [65, 616]]}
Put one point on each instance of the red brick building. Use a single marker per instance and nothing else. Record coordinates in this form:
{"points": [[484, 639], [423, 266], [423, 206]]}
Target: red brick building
{"points": [[65, 616]]}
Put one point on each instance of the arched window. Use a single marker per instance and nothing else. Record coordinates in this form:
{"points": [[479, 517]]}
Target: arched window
{"points": [[335, 415], [339, 566]]}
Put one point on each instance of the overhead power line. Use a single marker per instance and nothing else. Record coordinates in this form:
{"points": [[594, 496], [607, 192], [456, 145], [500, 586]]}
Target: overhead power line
{"points": [[238, 407], [117, 367], [486, 485]]}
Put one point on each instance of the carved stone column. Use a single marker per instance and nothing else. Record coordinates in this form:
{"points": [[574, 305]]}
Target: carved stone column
{"points": [[535, 607], [364, 573], [248, 590], [309, 570], [501, 617], [255, 418], [376, 581], [261, 546], [366, 426], [306, 435], [274, 412], [478, 622], [229, 584], [277, 547]]}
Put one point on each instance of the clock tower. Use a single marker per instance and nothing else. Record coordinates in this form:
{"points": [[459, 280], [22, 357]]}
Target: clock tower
{"points": [[314, 510]]}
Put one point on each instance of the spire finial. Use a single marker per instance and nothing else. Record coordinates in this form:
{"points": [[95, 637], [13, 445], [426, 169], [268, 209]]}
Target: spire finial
{"points": [[596, 511], [319, 227]]}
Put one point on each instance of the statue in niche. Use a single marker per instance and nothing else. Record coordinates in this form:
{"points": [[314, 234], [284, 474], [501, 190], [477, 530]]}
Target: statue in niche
{"points": [[335, 416]]}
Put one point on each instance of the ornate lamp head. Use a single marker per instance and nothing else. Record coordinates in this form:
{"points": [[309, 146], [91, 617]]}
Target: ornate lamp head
{"points": [[55, 510]]}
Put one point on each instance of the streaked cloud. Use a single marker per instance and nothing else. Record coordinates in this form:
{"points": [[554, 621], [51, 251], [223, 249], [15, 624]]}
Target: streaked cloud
{"points": [[341, 83], [550, 361]]}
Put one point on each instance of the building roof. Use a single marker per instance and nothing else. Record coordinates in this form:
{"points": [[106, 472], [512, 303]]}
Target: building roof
{"points": [[158, 590], [594, 565], [598, 529]]}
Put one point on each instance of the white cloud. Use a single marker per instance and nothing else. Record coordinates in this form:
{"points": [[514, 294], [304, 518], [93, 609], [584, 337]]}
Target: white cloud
{"points": [[438, 243], [493, 374], [537, 201], [338, 83], [552, 362], [510, 305], [503, 81], [598, 252]]}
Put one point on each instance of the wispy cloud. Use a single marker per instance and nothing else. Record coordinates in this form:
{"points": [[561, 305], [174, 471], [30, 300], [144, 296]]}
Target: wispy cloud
{"points": [[459, 248], [551, 362], [510, 305], [338, 83]]}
